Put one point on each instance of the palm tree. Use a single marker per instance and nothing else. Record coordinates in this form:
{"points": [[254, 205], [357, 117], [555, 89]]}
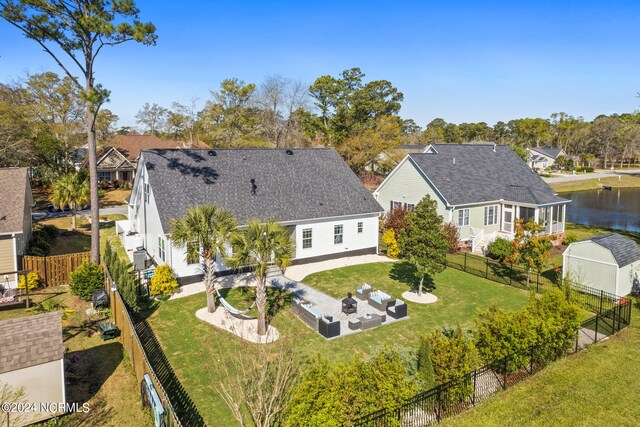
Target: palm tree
{"points": [[204, 230], [261, 245], [72, 190]]}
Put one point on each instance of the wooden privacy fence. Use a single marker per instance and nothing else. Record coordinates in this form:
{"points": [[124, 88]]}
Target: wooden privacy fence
{"points": [[139, 359], [54, 270]]}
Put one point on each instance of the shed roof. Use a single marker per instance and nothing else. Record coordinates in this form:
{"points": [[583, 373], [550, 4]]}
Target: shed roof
{"points": [[14, 183], [305, 184], [29, 341], [624, 250], [476, 173]]}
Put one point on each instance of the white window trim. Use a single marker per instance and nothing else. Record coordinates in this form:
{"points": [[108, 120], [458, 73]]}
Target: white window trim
{"points": [[310, 238], [341, 234], [490, 215], [464, 218]]}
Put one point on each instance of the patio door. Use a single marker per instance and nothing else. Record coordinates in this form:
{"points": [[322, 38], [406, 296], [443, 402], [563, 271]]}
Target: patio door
{"points": [[507, 218]]}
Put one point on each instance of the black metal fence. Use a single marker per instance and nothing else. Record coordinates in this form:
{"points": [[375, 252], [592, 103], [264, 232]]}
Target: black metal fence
{"points": [[445, 400], [594, 300]]}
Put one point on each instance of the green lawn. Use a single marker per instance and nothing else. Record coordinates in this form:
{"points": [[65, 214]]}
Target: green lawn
{"points": [[194, 347], [595, 387], [69, 241]]}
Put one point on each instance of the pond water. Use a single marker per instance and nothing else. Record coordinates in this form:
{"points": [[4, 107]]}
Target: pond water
{"points": [[617, 208]]}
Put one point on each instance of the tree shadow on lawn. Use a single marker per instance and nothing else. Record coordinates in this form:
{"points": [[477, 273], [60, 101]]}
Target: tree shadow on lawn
{"points": [[405, 272], [87, 370]]}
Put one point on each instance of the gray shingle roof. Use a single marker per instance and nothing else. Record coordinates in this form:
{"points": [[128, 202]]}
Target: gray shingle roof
{"points": [[624, 250], [29, 341], [482, 175], [13, 190], [310, 183], [552, 152]]}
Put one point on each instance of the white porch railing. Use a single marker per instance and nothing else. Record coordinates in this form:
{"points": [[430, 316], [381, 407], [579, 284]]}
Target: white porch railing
{"points": [[476, 237]]}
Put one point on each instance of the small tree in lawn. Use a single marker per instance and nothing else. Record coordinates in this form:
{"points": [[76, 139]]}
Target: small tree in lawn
{"points": [[530, 247], [72, 190], [262, 245], [204, 230], [422, 241]]}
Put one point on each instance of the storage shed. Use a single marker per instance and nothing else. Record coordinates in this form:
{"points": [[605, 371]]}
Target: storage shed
{"points": [[32, 359], [609, 262]]}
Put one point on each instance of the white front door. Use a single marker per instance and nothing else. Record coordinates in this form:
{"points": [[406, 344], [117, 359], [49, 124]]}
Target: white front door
{"points": [[507, 218]]}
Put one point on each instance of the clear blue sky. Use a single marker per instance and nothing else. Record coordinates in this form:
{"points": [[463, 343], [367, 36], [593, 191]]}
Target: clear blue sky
{"points": [[462, 61]]}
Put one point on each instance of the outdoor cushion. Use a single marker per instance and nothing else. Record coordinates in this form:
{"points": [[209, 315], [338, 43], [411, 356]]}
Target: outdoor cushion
{"points": [[379, 296]]}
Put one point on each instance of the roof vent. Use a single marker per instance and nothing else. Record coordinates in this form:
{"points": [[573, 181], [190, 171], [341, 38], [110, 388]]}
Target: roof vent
{"points": [[454, 161], [494, 147], [254, 187], [212, 153], [289, 152]]}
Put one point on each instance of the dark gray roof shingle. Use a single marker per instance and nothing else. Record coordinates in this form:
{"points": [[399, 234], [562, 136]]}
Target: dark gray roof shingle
{"points": [[480, 174], [624, 250], [29, 341], [13, 190], [309, 184], [552, 152]]}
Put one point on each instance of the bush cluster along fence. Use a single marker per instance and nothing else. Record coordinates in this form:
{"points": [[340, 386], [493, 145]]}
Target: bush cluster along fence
{"points": [[613, 313], [133, 347], [54, 270]]}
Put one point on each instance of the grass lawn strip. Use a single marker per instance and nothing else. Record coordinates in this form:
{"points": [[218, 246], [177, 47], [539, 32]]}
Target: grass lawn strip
{"points": [[625, 181]]}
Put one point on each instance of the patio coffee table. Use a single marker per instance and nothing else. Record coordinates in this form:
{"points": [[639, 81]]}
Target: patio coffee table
{"points": [[370, 321]]}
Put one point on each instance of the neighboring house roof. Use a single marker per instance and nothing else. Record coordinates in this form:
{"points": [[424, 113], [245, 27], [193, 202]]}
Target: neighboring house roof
{"points": [[14, 183], [624, 250], [468, 174], [111, 159], [552, 152], [29, 341], [132, 145], [537, 158], [307, 184]]}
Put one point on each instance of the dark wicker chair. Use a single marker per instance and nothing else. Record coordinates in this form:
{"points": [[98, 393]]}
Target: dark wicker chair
{"points": [[397, 309], [328, 327]]}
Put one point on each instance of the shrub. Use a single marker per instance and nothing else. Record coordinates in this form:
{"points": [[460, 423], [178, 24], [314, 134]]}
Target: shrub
{"points": [[50, 230], [452, 233], [39, 244], [395, 220], [569, 238], [32, 279], [452, 357], [389, 239], [163, 283], [85, 279], [425, 375], [336, 394], [500, 249], [50, 305]]}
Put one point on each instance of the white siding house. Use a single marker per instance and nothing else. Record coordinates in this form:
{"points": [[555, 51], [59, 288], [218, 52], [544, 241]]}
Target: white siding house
{"points": [[312, 192], [609, 262], [481, 188]]}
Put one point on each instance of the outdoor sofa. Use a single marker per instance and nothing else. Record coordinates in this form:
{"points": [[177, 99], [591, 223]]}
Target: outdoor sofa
{"points": [[379, 300], [397, 309], [306, 312]]}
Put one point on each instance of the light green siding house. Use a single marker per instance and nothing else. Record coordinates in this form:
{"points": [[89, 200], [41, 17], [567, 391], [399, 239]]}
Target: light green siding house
{"points": [[481, 188], [609, 262]]}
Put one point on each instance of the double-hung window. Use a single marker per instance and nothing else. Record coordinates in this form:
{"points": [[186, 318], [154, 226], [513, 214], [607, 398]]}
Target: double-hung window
{"points": [[409, 206], [161, 248], [360, 227], [395, 205], [338, 231], [146, 192], [491, 215], [463, 217], [307, 239]]}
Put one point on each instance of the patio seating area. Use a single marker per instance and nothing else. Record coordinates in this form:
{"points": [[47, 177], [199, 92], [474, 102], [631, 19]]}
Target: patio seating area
{"points": [[332, 318]]}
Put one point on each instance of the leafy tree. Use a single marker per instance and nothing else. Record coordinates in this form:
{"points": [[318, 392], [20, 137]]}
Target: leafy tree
{"points": [[80, 30], [72, 190], [422, 242], [204, 230], [500, 249], [260, 246], [153, 117], [522, 152], [336, 394], [530, 247], [395, 220]]}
